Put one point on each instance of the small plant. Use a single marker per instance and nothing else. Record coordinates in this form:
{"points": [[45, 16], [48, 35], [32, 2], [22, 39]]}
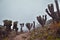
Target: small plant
{"points": [[22, 25], [42, 20]]}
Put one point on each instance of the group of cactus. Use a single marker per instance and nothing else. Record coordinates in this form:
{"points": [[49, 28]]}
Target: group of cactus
{"points": [[54, 14], [42, 20], [8, 24]]}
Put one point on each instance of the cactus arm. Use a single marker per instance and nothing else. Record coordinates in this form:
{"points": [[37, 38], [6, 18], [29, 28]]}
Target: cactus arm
{"points": [[57, 7], [51, 8], [48, 12], [45, 17]]}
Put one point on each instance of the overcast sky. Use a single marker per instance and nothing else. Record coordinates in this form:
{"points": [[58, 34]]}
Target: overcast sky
{"points": [[22, 10]]}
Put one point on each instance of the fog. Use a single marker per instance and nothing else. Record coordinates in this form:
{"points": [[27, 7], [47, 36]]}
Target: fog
{"points": [[22, 11]]}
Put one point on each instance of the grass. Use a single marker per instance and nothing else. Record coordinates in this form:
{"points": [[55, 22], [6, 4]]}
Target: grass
{"points": [[44, 33]]}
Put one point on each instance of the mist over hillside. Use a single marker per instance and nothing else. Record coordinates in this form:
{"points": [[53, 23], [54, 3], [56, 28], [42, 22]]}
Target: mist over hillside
{"points": [[22, 11]]}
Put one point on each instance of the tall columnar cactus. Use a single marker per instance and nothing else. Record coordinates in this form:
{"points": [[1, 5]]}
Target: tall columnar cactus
{"points": [[42, 20], [50, 11], [29, 26], [15, 26], [8, 24], [22, 25]]}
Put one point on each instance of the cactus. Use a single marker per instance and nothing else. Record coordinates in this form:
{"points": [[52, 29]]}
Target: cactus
{"points": [[15, 26], [42, 20], [22, 25], [29, 26], [8, 24], [34, 25], [50, 11]]}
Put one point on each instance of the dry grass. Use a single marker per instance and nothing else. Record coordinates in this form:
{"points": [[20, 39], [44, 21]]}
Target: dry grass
{"points": [[47, 32], [43, 33]]}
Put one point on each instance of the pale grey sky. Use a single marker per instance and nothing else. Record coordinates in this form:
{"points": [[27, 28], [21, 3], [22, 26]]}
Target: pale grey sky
{"points": [[22, 10]]}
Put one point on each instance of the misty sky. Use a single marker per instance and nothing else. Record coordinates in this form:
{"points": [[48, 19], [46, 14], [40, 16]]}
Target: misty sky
{"points": [[22, 10]]}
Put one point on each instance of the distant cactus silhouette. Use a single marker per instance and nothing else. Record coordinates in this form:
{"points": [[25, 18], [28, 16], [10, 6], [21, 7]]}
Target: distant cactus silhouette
{"points": [[34, 25], [15, 26], [42, 20], [22, 25], [50, 11], [29, 26], [8, 24]]}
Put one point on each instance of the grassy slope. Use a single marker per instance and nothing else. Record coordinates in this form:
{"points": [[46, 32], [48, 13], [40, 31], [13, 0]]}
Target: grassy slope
{"points": [[47, 32]]}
